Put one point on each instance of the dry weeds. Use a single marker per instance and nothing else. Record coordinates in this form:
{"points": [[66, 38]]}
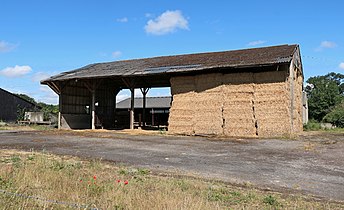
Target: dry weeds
{"points": [[96, 184]]}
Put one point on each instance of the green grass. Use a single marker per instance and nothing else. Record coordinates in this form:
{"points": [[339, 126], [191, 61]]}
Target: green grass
{"points": [[103, 185]]}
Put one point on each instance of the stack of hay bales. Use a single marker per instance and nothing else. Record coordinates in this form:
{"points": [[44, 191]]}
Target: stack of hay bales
{"points": [[250, 104], [208, 104], [272, 104], [238, 114], [297, 120], [182, 110]]}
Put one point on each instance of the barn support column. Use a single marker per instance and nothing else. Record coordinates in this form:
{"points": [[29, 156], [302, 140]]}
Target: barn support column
{"points": [[132, 107], [144, 93], [130, 83], [115, 92], [60, 110], [93, 109], [57, 88], [92, 87]]}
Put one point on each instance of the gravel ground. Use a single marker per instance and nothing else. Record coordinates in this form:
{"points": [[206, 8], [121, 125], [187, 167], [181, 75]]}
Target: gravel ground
{"points": [[312, 164]]}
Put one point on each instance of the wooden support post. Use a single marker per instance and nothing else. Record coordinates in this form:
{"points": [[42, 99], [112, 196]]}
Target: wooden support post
{"points": [[130, 83], [144, 111], [93, 108], [92, 87], [115, 92], [132, 106], [144, 93], [152, 117], [60, 110], [58, 87]]}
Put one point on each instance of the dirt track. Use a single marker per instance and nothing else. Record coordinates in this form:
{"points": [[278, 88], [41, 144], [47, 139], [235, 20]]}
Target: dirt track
{"points": [[313, 164]]}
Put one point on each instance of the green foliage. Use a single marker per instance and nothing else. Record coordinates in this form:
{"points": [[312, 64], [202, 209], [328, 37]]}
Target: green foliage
{"points": [[324, 93], [47, 109], [20, 113], [270, 200], [312, 125], [336, 116], [27, 98]]}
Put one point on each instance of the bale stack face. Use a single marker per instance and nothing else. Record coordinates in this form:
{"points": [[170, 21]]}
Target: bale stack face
{"points": [[272, 104], [238, 90], [297, 115], [235, 104], [182, 109], [207, 105]]}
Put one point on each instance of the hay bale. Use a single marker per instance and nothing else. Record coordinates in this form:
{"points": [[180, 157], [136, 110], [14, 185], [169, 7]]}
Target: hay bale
{"points": [[208, 113], [238, 111], [181, 112]]}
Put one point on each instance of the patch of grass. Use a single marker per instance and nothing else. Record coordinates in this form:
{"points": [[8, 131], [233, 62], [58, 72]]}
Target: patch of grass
{"points": [[101, 185], [41, 127], [271, 200], [312, 126]]}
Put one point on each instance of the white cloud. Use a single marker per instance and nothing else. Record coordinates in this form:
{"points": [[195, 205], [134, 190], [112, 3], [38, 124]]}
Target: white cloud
{"points": [[47, 95], [124, 94], [255, 43], [326, 45], [167, 22], [39, 76], [148, 15], [122, 20], [6, 47], [121, 97], [341, 65], [17, 71], [116, 54]]}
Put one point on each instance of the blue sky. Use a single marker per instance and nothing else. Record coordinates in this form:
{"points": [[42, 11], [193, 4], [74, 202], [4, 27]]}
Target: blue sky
{"points": [[43, 38]]}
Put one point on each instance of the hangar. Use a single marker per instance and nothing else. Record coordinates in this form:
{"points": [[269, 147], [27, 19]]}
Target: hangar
{"points": [[251, 92]]}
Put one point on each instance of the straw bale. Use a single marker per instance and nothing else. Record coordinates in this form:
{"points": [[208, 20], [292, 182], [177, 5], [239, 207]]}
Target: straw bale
{"points": [[240, 126], [208, 113], [244, 88], [181, 113], [271, 130]]}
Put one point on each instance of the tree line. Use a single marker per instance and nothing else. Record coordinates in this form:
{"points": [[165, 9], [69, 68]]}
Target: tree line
{"points": [[47, 109], [326, 98]]}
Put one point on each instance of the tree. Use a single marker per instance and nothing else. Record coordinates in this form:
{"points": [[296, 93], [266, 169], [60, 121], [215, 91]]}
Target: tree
{"points": [[324, 94], [27, 98], [47, 109], [336, 116]]}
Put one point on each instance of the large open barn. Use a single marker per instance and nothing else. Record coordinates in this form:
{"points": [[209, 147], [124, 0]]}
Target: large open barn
{"points": [[251, 92]]}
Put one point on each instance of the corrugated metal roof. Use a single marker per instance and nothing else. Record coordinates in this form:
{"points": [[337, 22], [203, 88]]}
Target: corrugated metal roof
{"points": [[151, 102], [183, 63]]}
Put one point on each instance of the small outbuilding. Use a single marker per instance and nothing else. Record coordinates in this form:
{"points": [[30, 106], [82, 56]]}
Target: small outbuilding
{"points": [[251, 92], [12, 106], [154, 116]]}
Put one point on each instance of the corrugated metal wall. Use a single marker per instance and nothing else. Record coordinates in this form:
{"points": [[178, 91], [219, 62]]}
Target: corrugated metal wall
{"points": [[11, 104]]}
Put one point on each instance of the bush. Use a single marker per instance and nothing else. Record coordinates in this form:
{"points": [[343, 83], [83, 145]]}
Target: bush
{"points": [[336, 116], [312, 125]]}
